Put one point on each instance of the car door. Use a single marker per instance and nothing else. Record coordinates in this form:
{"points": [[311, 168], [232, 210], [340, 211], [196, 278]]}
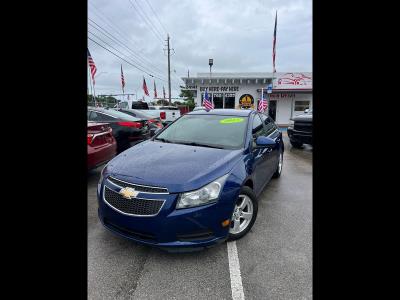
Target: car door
{"points": [[272, 131], [261, 156]]}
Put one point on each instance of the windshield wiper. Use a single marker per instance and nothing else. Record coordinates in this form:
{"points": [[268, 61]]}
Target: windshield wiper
{"points": [[200, 145], [163, 140]]}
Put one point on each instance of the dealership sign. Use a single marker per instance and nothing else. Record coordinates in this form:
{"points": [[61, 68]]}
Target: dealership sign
{"points": [[293, 81]]}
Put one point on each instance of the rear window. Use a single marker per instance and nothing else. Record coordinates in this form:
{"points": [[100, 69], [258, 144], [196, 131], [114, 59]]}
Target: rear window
{"points": [[139, 105], [119, 115]]}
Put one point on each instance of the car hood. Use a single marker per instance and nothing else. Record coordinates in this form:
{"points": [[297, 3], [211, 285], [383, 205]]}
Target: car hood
{"points": [[177, 167]]}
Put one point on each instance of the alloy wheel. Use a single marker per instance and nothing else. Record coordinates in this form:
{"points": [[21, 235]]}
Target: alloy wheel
{"points": [[242, 214]]}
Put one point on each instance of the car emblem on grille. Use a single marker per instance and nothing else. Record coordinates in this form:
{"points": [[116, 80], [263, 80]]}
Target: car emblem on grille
{"points": [[128, 193]]}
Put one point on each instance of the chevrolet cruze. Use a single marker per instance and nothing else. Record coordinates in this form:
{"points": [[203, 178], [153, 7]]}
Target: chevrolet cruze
{"points": [[195, 183]]}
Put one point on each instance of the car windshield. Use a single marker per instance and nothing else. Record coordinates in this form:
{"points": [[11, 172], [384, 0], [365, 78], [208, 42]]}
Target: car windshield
{"points": [[207, 130]]}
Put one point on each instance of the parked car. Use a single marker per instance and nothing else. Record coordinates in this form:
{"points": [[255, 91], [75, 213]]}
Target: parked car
{"points": [[101, 145], [300, 129], [195, 183], [127, 130], [171, 113], [154, 123], [145, 108]]}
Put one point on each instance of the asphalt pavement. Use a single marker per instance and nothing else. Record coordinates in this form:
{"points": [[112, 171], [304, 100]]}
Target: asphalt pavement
{"points": [[275, 257]]}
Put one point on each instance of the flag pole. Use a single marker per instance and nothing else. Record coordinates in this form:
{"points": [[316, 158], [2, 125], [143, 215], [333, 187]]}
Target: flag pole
{"points": [[90, 84], [94, 92], [262, 97]]}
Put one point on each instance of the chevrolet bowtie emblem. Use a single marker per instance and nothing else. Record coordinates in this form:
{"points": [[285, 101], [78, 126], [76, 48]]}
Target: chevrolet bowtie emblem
{"points": [[128, 193]]}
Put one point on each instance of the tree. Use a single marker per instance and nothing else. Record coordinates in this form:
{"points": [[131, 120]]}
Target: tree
{"points": [[188, 98]]}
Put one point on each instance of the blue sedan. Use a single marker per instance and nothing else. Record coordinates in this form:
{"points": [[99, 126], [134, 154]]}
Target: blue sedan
{"points": [[195, 183]]}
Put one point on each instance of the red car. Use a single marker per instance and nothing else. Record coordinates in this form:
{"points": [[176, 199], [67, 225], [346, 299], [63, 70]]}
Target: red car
{"points": [[101, 144]]}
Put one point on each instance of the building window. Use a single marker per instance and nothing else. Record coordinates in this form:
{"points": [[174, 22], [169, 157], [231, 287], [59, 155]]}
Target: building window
{"points": [[301, 105]]}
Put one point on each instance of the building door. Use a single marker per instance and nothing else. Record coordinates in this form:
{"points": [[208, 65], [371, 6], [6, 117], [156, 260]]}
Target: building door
{"points": [[272, 109], [217, 98], [229, 100]]}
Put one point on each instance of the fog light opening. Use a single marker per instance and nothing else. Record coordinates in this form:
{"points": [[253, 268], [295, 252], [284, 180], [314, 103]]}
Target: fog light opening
{"points": [[225, 223]]}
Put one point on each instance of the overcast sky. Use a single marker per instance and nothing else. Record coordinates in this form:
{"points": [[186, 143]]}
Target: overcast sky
{"points": [[236, 34]]}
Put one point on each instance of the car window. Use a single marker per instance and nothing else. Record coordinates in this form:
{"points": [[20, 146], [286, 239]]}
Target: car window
{"points": [[139, 105], [269, 124], [123, 104], [88, 114], [92, 116], [257, 125], [97, 116], [257, 129]]}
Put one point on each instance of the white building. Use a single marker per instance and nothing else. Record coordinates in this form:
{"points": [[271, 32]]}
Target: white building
{"points": [[291, 92]]}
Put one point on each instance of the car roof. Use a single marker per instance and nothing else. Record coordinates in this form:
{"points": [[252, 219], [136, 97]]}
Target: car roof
{"points": [[224, 112], [114, 113]]}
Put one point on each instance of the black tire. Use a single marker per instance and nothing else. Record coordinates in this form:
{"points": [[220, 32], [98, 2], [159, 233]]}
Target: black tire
{"points": [[278, 170], [248, 192], [296, 144]]}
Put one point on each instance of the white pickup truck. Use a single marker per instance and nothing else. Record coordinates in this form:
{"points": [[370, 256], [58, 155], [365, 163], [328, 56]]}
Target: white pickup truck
{"points": [[167, 114], [171, 112]]}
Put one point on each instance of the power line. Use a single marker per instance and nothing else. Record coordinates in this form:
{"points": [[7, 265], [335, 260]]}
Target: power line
{"points": [[139, 63], [147, 17], [137, 57], [125, 60], [120, 32], [115, 48], [166, 31], [150, 25]]}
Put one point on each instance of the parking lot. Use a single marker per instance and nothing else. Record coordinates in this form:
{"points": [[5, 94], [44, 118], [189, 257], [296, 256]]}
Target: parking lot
{"points": [[275, 257]]}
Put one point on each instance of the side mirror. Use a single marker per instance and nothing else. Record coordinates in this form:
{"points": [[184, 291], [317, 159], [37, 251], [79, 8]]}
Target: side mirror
{"points": [[263, 141]]}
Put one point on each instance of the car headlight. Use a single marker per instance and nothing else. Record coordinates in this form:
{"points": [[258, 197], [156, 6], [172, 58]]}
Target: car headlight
{"points": [[207, 194], [291, 123]]}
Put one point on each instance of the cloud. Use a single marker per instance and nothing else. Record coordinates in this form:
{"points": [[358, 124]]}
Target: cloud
{"points": [[236, 34]]}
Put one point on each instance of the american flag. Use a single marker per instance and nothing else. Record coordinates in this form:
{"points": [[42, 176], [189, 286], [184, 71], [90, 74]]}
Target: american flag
{"points": [[146, 91], [262, 105], [155, 90], [92, 66], [163, 91], [274, 43], [207, 103], [122, 80]]}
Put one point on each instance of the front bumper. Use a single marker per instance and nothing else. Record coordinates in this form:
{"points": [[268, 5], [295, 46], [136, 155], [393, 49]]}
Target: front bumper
{"points": [[188, 228], [299, 136]]}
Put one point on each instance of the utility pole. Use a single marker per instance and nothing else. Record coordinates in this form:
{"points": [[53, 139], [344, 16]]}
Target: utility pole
{"points": [[169, 72]]}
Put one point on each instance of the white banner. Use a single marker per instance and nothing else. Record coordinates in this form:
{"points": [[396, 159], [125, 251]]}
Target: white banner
{"points": [[293, 81]]}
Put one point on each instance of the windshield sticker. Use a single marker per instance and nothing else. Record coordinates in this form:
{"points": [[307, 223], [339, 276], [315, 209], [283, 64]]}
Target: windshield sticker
{"points": [[231, 120]]}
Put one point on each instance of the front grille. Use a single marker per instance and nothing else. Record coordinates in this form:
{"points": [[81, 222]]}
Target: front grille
{"points": [[306, 127], [135, 206], [139, 188], [135, 234]]}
